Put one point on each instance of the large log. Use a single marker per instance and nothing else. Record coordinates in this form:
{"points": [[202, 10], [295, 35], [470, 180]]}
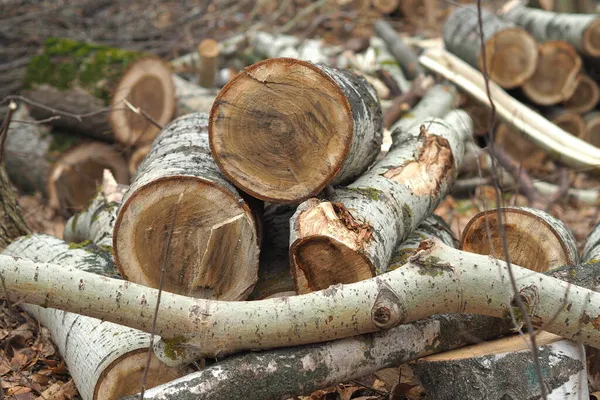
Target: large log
{"points": [[510, 52], [556, 73], [214, 247], [586, 95], [84, 79], [283, 129], [352, 236], [65, 169], [581, 30], [504, 369], [106, 360]]}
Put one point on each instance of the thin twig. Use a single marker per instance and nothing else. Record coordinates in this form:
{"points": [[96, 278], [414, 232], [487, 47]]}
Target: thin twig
{"points": [[12, 107], [78, 117], [142, 113], [160, 286]]}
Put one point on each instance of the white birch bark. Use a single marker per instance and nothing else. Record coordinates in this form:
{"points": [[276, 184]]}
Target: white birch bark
{"points": [[591, 250], [103, 358]]}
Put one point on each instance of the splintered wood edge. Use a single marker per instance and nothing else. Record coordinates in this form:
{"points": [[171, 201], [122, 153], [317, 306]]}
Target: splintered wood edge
{"points": [[120, 117], [281, 182], [555, 254], [591, 38], [504, 47], [510, 344], [547, 60], [326, 252], [586, 95], [71, 163], [123, 376], [154, 202]]}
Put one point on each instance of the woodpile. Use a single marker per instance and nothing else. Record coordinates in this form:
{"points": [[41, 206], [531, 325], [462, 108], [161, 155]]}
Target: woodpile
{"points": [[291, 211]]}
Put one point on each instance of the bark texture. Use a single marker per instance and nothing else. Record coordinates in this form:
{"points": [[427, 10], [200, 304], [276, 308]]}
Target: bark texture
{"points": [[352, 236], [510, 51], [295, 128], [105, 360], [214, 247], [580, 30], [504, 369]]}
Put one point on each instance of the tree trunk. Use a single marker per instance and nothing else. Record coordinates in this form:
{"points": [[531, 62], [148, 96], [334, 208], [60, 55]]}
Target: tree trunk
{"points": [[504, 369], [555, 77], [283, 129], [105, 360], [585, 97], [405, 56], [510, 52], [208, 50], [567, 120], [352, 236], [592, 125], [274, 275], [82, 78], [580, 30], [535, 239], [214, 249], [63, 168]]}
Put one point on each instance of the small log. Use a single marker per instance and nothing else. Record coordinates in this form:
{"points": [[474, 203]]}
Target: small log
{"points": [[504, 369], [517, 145], [567, 120], [555, 77], [191, 97], [535, 239], [214, 247], [352, 236], [208, 50], [585, 97], [283, 129], [82, 78], [582, 31], [510, 51], [405, 56], [386, 6], [106, 360], [592, 125], [65, 169], [274, 274]]}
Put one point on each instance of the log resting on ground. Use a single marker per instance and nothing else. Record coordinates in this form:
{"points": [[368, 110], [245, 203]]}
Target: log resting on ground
{"points": [[283, 129]]}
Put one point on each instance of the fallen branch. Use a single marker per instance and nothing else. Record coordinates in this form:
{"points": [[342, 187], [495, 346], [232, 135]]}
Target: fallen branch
{"points": [[405, 56]]}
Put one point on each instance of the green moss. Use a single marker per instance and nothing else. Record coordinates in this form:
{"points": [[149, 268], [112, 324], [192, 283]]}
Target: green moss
{"points": [[80, 244], [67, 64], [174, 348], [516, 312], [371, 193], [106, 248], [433, 266]]}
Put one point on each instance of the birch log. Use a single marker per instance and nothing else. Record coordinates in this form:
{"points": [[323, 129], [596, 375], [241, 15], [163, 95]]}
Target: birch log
{"points": [[556, 73], [63, 168], [569, 150], [535, 239], [580, 30], [585, 97], [283, 129], [592, 125], [84, 79], [437, 280], [504, 369], [214, 247], [105, 360], [510, 52], [352, 236], [274, 274]]}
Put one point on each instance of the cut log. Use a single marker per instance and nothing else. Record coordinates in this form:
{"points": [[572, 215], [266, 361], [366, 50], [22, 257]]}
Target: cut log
{"points": [[214, 247], [208, 50], [580, 30], [555, 77], [510, 52], [567, 120], [592, 125], [274, 274], [585, 97], [559, 144], [192, 98], [405, 56], [106, 360], [386, 6], [65, 169], [137, 157], [535, 239], [517, 145], [504, 369], [83, 79], [283, 129], [352, 236]]}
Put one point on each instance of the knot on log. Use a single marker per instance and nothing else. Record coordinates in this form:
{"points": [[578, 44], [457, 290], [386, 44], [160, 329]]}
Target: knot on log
{"points": [[388, 311], [530, 297]]}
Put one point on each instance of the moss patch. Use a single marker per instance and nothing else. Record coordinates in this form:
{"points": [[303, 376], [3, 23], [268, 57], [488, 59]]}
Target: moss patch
{"points": [[371, 193], [80, 245], [174, 347]]}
